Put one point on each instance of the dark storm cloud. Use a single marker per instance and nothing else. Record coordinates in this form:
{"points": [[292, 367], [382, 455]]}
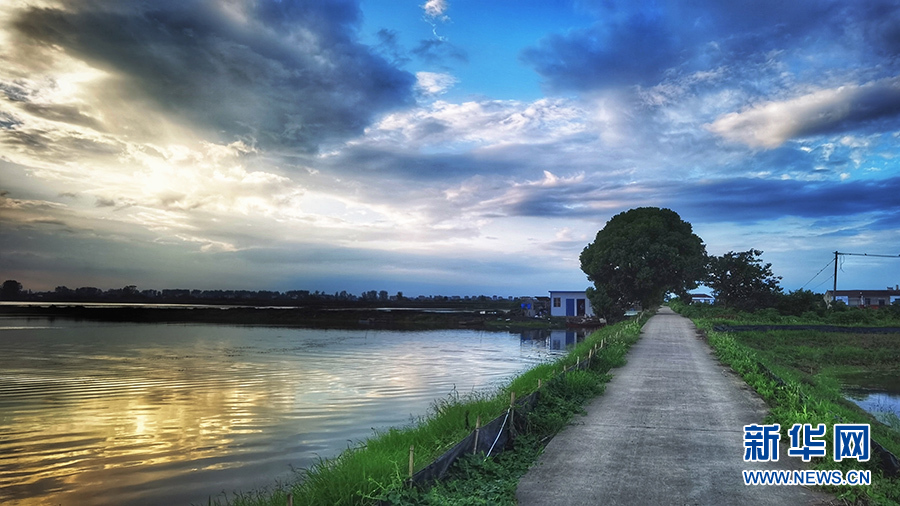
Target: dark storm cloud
{"points": [[633, 43], [415, 167], [750, 200], [32, 140], [737, 200], [288, 73], [8, 121], [15, 92], [101, 202], [575, 200], [47, 144], [538, 206], [868, 104], [389, 47]]}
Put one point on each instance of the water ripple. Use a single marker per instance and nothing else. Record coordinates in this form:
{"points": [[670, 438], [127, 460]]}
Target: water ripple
{"points": [[96, 413]]}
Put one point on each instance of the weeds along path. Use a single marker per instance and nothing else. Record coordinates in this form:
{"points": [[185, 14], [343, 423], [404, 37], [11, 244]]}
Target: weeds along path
{"points": [[668, 430]]}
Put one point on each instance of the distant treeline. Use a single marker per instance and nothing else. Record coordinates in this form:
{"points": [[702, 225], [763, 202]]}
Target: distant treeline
{"points": [[14, 291]]}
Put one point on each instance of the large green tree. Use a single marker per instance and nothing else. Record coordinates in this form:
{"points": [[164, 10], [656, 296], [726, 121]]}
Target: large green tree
{"points": [[10, 290], [742, 281], [639, 257]]}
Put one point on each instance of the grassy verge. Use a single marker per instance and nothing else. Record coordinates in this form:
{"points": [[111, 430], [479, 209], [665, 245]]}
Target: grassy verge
{"points": [[810, 364], [376, 470]]}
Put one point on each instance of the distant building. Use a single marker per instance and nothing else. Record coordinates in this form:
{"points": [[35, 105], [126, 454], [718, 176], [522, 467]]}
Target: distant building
{"points": [[529, 308], [702, 298], [570, 303], [864, 298]]}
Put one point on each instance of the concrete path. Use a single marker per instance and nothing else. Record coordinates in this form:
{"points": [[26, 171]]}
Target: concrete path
{"points": [[668, 430]]}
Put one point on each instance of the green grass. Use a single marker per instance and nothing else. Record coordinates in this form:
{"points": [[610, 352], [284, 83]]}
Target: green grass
{"points": [[840, 315], [810, 365], [377, 469]]}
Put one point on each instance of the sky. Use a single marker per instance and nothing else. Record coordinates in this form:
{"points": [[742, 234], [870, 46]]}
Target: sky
{"points": [[448, 147]]}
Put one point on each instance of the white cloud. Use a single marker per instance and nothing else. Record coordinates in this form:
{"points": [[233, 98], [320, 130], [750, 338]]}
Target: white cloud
{"points": [[771, 124], [434, 83], [482, 123], [435, 8]]}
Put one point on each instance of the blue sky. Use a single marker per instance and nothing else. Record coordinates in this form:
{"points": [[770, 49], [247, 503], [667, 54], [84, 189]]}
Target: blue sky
{"points": [[453, 147]]}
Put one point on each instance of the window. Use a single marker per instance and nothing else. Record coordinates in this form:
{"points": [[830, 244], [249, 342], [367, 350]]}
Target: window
{"points": [[557, 302]]}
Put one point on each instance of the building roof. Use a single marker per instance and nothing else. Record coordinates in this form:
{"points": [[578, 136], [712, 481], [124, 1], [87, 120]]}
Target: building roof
{"points": [[864, 293]]}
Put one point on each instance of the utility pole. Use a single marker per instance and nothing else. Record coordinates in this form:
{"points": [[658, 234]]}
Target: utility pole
{"points": [[834, 291]]}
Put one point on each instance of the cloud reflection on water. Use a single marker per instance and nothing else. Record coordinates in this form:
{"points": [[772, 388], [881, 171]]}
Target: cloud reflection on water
{"points": [[99, 413]]}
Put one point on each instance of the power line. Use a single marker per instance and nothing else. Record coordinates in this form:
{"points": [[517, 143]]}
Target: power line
{"points": [[866, 255], [823, 281], [817, 275]]}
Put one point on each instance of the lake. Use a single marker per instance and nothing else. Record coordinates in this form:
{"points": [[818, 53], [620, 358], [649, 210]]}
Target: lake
{"points": [[143, 414]]}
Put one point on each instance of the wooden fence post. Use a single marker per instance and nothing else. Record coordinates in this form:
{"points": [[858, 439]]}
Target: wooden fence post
{"points": [[512, 413], [477, 430], [412, 453]]}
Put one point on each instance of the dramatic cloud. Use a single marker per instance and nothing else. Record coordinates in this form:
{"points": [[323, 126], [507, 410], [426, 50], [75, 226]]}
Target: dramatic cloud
{"points": [[435, 146], [283, 73]]}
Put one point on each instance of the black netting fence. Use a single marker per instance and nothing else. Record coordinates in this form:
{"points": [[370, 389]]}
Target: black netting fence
{"points": [[817, 328], [494, 437]]}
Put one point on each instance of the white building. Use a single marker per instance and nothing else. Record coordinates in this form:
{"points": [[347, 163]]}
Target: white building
{"points": [[570, 303], [702, 298], [864, 298]]}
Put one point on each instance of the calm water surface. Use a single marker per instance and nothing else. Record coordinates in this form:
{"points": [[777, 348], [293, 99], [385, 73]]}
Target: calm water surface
{"points": [[94, 413], [879, 394]]}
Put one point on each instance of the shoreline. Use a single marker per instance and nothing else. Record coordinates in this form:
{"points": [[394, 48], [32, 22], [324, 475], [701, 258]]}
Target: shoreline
{"points": [[307, 317]]}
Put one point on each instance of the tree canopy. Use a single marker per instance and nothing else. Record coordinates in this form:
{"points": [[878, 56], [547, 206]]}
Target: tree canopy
{"points": [[741, 280], [640, 256], [10, 290]]}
